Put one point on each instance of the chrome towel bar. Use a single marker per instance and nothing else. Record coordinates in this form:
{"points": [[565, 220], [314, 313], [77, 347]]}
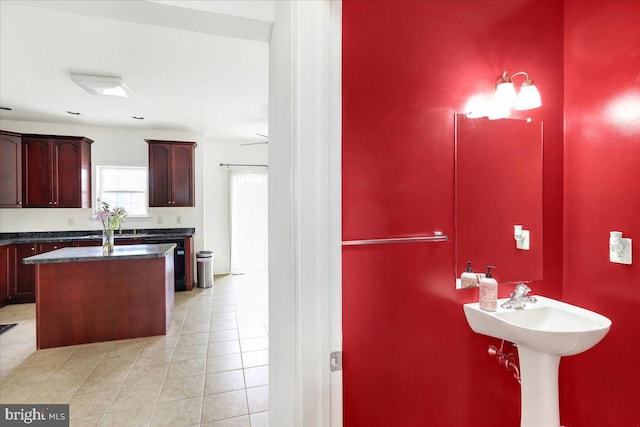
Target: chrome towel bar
{"points": [[436, 238]]}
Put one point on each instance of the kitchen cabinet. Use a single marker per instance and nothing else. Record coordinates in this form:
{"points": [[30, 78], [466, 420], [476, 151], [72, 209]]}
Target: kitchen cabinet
{"points": [[7, 256], [171, 173], [25, 280], [10, 170], [56, 171]]}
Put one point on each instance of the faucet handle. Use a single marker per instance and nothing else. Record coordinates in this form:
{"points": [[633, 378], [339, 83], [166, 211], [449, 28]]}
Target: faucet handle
{"points": [[521, 290]]}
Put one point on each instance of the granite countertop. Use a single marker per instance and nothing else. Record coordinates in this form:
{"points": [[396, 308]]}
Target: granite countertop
{"points": [[66, 236], [94, 253]]}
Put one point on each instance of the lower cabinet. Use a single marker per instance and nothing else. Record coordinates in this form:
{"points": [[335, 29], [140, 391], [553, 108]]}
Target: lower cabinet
{"points": [[7, 256], [25, 275]]}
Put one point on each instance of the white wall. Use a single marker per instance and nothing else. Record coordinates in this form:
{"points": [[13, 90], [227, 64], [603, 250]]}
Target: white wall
{"points": [[216, 197]]}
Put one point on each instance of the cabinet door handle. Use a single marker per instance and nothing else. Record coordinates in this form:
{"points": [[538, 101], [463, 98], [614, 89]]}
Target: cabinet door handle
{"points": [[55, 203], [19, 203], [50, 203]]}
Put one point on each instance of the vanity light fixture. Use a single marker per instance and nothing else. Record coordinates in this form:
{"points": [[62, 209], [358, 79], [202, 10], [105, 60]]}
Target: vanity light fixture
{"points": [[101, 85], [505, 97], [521, 237], [619, 248]]}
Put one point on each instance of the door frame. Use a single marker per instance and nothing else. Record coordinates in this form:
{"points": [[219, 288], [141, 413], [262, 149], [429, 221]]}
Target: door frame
{"points": [[305, 213]]}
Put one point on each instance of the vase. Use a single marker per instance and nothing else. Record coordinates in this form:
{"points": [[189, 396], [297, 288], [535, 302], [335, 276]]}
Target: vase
{"points": [[107, 242]]}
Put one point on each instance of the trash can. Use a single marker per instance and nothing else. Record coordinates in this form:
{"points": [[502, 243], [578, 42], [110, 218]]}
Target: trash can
{"points": [[205, 268]]}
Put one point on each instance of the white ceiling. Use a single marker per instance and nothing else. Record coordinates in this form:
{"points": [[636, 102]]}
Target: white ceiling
{"points": [[199, 66]]}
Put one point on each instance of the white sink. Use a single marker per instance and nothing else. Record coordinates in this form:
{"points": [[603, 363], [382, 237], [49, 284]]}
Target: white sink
{"points": [[543, 331], [549, 326]]}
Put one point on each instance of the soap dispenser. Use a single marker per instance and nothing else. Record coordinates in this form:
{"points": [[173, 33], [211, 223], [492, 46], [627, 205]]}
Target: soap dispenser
{"points": [[488, 291], [468, 279]]}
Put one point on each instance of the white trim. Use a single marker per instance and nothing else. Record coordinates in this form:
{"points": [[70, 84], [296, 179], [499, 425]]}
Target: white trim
{"points": [[304, 214]]}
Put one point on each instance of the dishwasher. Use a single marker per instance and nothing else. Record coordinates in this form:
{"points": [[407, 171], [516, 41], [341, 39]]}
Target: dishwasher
{"points": [[179, 260]]}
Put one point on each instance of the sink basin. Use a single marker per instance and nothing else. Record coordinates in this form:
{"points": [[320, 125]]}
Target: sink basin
{"points": [[548, 326], [544, 331]]}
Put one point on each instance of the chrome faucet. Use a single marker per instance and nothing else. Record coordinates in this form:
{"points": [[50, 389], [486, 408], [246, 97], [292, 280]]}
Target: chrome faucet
{"points": [[519, 298]]}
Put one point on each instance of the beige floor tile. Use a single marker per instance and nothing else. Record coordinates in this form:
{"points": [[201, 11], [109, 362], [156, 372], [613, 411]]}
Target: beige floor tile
{"points": [[252, 359], [177, 413], [261, 419], [219, 317], [225, 347], [223, 325], [154, 357], [17, 392], [134, 395], [255, 332], [226, 308], [219, 336], [258, 399], [258, 376], [227, 362], [201, 326], [26, 374], [162, 341], [58, 399], [242, 421], [186, 368], [186, 340], [190, 352], [132, 417], [224, 381], [89, 404], [181, 388], [57, 387], [254, 344], [147, 374], [93, 421], [224, 405]]}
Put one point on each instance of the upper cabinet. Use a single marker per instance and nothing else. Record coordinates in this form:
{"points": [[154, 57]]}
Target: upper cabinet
{"points": [[10, 170], [171, 173], [56, 171]]}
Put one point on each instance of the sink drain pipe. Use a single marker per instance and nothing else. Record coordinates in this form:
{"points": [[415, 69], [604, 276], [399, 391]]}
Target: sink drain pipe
{"points": [[506, 359]]}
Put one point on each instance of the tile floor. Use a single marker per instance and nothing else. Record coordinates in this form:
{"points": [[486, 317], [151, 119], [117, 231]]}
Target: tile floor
{"points": [[211, 369]]}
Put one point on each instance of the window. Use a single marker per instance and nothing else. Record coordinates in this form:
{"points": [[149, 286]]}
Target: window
{"points": [[124, 186]]}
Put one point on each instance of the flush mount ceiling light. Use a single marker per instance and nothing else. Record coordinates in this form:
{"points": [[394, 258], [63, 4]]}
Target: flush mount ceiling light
{"points": [[505, 97], [101, 85]]}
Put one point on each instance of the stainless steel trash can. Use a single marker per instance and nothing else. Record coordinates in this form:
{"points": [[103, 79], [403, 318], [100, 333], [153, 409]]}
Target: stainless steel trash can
{"points": [[205, 268]]}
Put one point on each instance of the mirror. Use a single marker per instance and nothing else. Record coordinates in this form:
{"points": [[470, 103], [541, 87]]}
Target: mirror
{"points": [[498, 185]]}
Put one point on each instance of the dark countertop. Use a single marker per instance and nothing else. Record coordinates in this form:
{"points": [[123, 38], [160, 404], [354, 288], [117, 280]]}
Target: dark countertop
{"points": [[94, 253], [65, 236]]}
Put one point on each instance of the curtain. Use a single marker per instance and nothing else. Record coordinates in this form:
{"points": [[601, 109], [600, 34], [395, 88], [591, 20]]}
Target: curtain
{"points": [[249, 221]]}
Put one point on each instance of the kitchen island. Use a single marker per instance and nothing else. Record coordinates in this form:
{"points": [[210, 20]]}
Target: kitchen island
{"points": [[83, 296]]}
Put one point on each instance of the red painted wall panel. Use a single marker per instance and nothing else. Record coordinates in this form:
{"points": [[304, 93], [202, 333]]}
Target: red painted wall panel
{"points": [[410, 358], [602, 194]]}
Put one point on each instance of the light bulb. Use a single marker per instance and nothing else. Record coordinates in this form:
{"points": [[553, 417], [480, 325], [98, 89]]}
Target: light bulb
{"points": [[529, 96]]}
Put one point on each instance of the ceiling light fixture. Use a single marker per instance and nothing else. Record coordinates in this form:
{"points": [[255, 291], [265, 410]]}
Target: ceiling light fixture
{"points": [[101, 85], [505, 97]]}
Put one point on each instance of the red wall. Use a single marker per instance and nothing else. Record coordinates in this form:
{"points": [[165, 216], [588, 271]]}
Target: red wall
{"points": [[410, 358], [600, 388]]}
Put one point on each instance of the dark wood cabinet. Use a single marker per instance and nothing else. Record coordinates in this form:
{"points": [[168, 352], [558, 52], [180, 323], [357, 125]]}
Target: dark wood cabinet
{"points": [[25, 276], [10, 170], [171, 173], [7, 256], [56, 171]]}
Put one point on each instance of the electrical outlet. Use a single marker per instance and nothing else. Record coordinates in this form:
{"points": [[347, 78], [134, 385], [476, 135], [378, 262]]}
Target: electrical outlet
{"points": [[622, 255], [179, 219], [160, 220]]}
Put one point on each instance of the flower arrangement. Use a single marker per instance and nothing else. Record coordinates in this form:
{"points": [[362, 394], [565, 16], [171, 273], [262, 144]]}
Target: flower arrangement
{"points": [[111, 220]]}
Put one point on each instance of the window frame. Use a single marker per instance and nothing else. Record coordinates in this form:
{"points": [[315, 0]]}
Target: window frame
{"points": [[99, 182]]}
